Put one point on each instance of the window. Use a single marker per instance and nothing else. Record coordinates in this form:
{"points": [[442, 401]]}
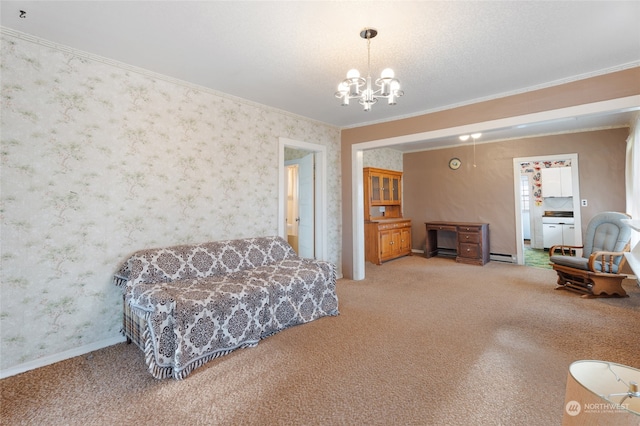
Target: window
{"points": [[524, 191]]}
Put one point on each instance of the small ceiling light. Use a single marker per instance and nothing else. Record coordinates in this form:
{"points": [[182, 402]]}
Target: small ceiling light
{"points": [[473, 136], [356, 87]]}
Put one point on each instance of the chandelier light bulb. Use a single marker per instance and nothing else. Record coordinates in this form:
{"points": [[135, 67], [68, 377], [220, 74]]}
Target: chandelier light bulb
{"points": [[464, 138], [476, 135], [353, 73], [387, 73]]}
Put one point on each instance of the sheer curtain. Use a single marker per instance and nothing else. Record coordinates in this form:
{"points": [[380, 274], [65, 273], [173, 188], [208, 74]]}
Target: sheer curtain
{"points": [[632, 175]]}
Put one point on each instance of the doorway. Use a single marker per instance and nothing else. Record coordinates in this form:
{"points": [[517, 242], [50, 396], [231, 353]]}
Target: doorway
{"points": [[356, 261], [533, 254], [300, 177], [303, 203], [530, 219]]}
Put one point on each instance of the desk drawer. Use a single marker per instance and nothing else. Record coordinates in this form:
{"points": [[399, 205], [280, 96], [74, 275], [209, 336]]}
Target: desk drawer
{"points": [[466, 237], [469, 250], [465, 228], [442, 228]]}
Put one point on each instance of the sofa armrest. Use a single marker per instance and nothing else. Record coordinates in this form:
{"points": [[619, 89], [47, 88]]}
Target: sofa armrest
{"points": [[146, 298], [120, 281], [564, 250]]}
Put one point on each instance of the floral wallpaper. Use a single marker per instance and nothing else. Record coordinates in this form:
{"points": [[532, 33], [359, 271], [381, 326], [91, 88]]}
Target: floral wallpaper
{"points": [[383, 158], [100, 160]]}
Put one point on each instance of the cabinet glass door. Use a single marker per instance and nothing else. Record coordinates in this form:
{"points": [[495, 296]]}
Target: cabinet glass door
{"points": [[386, 188], [395, 189], [375, 188]]}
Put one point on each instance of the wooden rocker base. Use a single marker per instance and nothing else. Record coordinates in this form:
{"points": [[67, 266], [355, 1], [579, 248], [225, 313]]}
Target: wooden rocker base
{"points": [[590, 284], [587, 293]]}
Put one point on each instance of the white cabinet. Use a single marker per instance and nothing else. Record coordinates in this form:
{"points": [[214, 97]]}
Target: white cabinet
{"points": [[568, 235], [566, 182], [558, 234], [551, 234], [556, 182]]}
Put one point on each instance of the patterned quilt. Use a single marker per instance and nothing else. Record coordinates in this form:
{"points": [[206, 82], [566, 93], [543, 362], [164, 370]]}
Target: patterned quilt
{"points": [[203, 301]]}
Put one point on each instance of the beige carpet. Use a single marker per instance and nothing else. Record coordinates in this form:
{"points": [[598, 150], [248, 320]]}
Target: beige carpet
{"points": [[419, 342]]}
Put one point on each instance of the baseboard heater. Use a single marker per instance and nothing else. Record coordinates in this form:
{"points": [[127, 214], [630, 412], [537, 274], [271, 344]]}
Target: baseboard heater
{"points": [[496, 257], [500, 257]]}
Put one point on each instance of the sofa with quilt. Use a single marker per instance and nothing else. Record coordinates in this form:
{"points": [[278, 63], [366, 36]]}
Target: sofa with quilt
{"points": [[187, 304]]}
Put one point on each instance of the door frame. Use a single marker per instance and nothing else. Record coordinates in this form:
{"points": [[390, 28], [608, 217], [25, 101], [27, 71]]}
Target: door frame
{"points": [[357, 264], [320, 209], [575, 183]]}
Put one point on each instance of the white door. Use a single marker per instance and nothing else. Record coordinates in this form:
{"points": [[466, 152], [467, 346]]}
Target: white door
{"points": [[306, 243], [301, 222]]}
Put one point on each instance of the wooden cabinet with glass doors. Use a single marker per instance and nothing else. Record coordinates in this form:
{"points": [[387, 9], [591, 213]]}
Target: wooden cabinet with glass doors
{"points": [[382, 194], [387, 233], [384, 186]]}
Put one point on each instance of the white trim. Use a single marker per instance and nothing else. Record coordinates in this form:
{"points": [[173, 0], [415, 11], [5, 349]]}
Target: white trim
{"points": [[357, 200], [629, 103], [517, 173], [52, 359], [575, 176], [320, 193], [611, 106]]}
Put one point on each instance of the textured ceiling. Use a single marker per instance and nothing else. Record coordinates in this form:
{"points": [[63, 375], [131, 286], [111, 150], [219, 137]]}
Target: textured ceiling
{"points": [[292, 54]]}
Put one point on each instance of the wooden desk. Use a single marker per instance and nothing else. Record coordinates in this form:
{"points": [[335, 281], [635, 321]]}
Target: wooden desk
{"points": [[472, 240]]}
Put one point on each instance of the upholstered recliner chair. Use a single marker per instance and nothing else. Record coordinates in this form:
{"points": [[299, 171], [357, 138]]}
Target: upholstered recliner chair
{"points": [[597, 272]]}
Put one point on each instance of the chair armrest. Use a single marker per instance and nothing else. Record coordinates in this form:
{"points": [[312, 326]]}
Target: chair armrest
{"points": [[564, 250], [606, 259]]}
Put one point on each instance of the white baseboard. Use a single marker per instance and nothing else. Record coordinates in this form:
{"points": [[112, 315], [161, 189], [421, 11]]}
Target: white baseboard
{"points": [[500, 257], [51, 359]]}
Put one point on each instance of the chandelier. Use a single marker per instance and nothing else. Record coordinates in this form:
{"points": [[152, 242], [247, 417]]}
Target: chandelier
{"points": [[356, 87]]}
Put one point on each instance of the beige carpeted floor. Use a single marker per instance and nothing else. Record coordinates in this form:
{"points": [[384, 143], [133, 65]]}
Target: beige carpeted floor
{"points": [[419, 342]]}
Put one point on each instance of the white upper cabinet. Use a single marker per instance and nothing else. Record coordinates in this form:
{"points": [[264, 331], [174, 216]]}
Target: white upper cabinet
{"points": [[556, 182]]}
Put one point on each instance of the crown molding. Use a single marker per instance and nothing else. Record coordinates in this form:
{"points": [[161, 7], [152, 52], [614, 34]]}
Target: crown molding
{"points": [[151, 74], [547, 85]]}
